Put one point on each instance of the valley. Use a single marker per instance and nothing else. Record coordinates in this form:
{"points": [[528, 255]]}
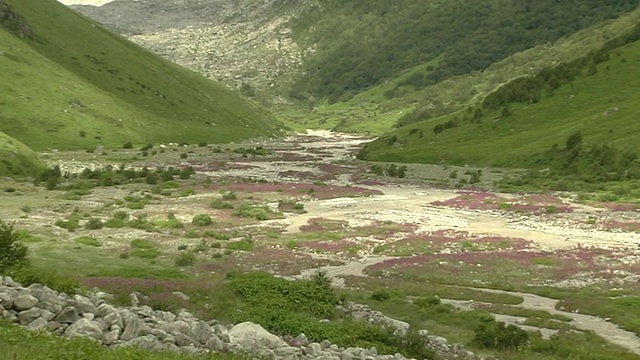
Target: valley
{"points": [[549, 263]]}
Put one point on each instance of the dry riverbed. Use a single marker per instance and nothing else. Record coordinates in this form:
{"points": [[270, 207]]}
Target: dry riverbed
{"points": [[323, 210]]}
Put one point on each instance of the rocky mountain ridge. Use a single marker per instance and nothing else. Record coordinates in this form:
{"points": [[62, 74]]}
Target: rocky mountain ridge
{"points": [[244, 44]]}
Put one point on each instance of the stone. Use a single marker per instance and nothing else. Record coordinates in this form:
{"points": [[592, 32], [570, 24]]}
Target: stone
{"points": [[134, 299], [111, 337], [214, 344], [249, 330], [37, 324], [324, 344], [180, 296], [27, 316], [184, 340], [113, 319], [160, 334], [84, 327], [300, 340], [10, 315], [180, 327], [24, 302], [88, 316], [164, 316], [105, 309], [202, 332], [6, 298], [288, 352], [84, 306], [145, 311], [133, 326], [54, 307], [314, 349], [53, 326], [147, 342], [68, 315]]}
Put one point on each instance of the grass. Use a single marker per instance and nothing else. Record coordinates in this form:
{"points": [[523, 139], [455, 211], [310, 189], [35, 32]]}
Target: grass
{"points": [[75, 85], [531, 128], [18, 343], [17, 159]]}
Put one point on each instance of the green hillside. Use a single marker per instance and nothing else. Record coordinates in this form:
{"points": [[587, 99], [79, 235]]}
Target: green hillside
{"points": [[17, 159], [69, 83], [528, 122], [360, 44]]}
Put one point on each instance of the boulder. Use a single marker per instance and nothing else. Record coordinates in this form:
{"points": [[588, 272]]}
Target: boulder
{"points": [[202, 332], [84, 327], [84, 305], [215, 344], [37, 324], [147, 342], [105, 309], [134, 327], [27, 316], [111, 337], [68, 315], [24, 302], [6, 297], [249, 330]]}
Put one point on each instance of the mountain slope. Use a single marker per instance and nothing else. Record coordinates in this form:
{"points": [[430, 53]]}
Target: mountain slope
{"points": [[16, 159], [359, 44], [69, 83], [595, 97]]}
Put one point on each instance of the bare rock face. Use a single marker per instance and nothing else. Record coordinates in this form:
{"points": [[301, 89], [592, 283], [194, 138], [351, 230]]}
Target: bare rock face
{"points": [[245, 44]]}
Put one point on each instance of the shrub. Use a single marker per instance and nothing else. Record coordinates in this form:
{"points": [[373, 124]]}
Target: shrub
{"points": [[115, 223], [202, 220], [71, 225], [255, 212], [94, 224], [241, 245], [27, 275], [185, 259], [183, 247], [500, 336], [145, 253], [12, 252], [219, 204], [427, 302], [381, 295], [89, 241], [229, 195], [201, 247], [127, 145], [142, 244]]}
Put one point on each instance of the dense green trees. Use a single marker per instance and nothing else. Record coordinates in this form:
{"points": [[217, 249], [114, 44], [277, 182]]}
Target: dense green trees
{"points": [[359, 43]]}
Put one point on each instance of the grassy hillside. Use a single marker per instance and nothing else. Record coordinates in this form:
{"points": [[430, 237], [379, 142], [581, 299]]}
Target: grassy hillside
{"points": [[598, 100], [17, 159], [360, 44], [398, 102], [69, 83]]}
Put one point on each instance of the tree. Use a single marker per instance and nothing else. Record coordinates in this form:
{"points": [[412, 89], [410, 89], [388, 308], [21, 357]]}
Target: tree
{"points": [[12, 252]]}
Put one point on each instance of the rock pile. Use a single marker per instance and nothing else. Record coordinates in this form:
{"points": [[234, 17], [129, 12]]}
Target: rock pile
{"points": [[440, 345], [39, 308]]}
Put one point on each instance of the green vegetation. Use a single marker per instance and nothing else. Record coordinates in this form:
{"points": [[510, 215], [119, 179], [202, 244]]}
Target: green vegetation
{"points": [[17, 159], [569, 120], [12, 252], [70, 84], [18, 343], [452, 38], [89, 241]]}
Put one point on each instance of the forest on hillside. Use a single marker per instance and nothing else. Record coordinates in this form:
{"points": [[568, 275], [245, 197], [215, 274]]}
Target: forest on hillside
{"points": [[359, 44]]}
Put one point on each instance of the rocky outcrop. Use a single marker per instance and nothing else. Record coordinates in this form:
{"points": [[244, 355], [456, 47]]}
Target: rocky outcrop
{"points": [[245, 44], [40, 308]]}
